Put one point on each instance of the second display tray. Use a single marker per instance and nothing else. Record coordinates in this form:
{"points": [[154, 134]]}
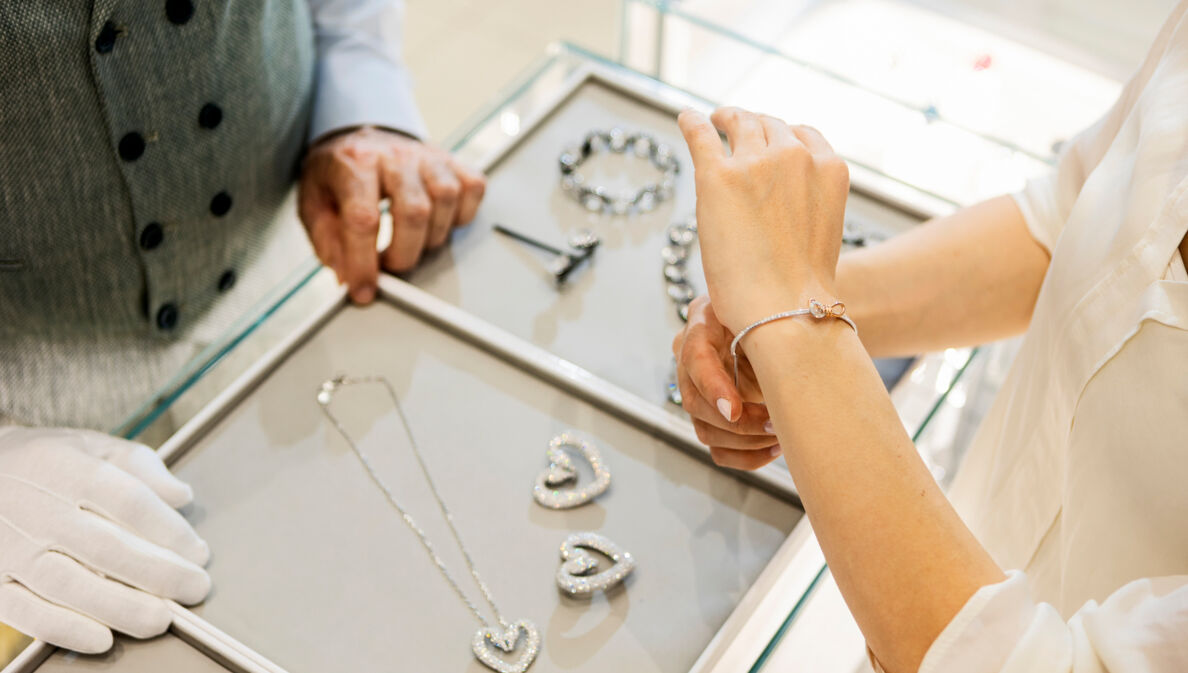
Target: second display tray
{"points": [[315, 570]]}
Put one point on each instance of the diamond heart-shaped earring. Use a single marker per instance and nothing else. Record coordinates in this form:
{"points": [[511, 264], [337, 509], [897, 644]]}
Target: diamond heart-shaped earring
{"points": [[562, 470], [506, 642], [576, 563]]}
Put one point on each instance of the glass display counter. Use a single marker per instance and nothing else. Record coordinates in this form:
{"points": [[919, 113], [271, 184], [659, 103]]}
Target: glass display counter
{"points": [[283, 503]]}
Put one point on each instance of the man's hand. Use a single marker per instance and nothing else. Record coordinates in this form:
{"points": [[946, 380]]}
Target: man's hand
{"points": [[89, 538], [731, 421], [345, 176]]}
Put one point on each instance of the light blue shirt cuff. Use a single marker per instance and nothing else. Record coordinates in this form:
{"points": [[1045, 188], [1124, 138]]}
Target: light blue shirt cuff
{"points": [[359, 85]]}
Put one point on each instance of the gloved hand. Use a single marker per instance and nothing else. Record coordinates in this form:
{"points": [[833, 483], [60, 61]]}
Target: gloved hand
{"points": [[90, 541]]}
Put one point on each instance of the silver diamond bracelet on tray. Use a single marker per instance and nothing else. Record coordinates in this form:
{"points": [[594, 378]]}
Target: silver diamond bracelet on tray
{"points": [[597, 198]]}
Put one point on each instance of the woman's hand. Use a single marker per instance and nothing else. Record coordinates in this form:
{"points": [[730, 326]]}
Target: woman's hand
{"points": [[732, 421], [769, 215]]}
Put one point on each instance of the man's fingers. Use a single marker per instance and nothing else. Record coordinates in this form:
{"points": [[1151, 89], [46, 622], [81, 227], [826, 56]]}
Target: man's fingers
{"points": [[705, 145], [116, 495], [742, 128], [445, 191], [61, 580], [141, 462], [106, 547], [474, 185], [318, 215], [357, 193], [411, 210], [744, 460], [30, 614], [714, 436]]}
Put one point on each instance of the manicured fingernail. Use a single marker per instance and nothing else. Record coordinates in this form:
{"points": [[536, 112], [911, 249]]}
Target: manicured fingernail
{"points": [[363, 295], [776, 451], [724, 408], [769, 428]]}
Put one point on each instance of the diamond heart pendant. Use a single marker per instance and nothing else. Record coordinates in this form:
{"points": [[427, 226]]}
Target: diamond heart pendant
{"points": [[505, 642], [576, 563], [562, 470]]}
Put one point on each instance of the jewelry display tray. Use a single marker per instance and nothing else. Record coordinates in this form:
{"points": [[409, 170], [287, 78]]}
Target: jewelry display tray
{"points": [[614, 317], [165, 653], [307, 551]]}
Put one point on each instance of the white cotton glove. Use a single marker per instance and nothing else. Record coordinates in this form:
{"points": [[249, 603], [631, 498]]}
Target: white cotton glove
{"points": [[90, 541]]}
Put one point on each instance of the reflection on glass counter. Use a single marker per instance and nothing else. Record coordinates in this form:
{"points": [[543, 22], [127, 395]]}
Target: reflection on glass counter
{"points": [[952, 97]]}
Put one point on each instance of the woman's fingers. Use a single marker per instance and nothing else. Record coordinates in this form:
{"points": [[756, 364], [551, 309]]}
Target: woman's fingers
{"points": [[744, 460], [743, 129], [812, 139], [778, 133], [715, 436], [705, 145], [699, 358], [707, 386], [753, 419]]}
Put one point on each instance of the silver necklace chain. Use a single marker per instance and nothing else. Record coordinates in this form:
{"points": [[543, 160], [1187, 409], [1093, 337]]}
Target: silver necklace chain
{"points": [[325, 396]]}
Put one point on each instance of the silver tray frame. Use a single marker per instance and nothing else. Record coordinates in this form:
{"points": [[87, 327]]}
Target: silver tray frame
{"points": [[793, 570]]}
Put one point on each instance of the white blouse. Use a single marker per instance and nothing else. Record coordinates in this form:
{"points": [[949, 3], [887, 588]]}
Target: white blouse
{"points": [[1078, 478]]}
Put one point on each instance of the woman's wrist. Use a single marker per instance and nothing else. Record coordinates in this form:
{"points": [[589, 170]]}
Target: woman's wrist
{"points": [[797, 344], [786, 296]]}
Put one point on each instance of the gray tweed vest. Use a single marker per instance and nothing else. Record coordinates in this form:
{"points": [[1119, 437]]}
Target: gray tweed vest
{"points": [[141, 143]]}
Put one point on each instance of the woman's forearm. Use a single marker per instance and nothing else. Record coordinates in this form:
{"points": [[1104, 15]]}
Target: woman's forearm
{"points": [[958, 280], [903, 559]]}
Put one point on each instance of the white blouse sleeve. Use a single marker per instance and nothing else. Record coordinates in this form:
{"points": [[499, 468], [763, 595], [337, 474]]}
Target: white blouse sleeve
{"points": [[1047, 200], [1140, 628], [360, 77]]}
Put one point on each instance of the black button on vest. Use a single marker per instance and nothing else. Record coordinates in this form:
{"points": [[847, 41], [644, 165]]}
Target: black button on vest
{"points": [[220, 204], [107, 38], [167, 316], [152, 236], [179, 11], [227, 280], [210, 116], [131, 146]]}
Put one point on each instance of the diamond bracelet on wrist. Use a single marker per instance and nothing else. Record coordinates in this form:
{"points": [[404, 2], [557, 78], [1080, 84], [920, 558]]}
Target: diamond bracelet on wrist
{"points": [[815, 309], [597, 198]]}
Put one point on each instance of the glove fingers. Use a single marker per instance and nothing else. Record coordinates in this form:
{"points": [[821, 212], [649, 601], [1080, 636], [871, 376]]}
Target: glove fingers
{"points": [[114, 494], [60, 579], [30, 614], [139, 461], [115, 552]]}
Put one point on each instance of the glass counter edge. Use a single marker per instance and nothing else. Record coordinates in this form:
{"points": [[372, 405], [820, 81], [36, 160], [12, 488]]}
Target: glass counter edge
{"points": [[198, 366], [667, 8]]}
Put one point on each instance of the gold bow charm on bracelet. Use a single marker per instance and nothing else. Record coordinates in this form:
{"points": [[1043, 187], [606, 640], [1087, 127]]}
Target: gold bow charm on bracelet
{"points": [[819, 310]]}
